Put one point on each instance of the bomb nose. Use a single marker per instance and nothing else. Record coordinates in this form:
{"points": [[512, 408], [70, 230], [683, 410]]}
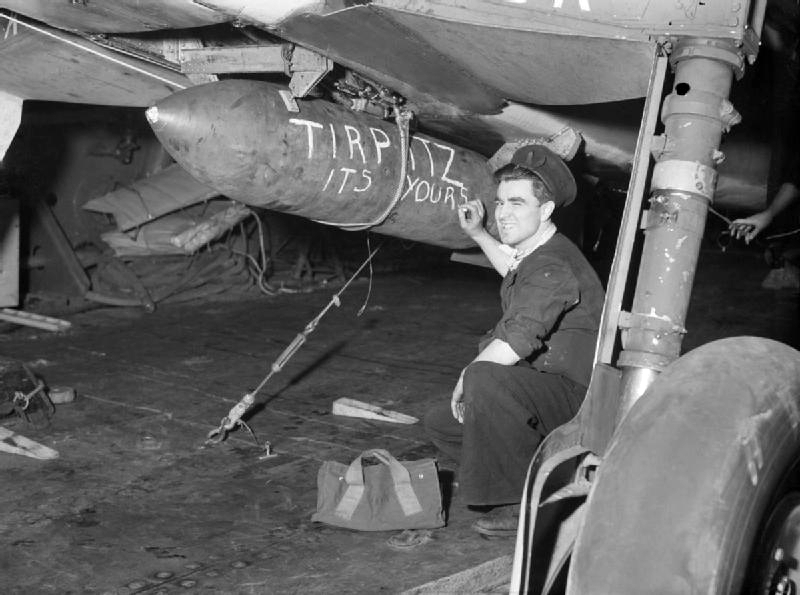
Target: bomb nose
{"points": [[179, 114], [156, 118], [152, 115]]}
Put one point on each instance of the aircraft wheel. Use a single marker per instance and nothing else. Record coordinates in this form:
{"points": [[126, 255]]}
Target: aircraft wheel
{"points": [[699, 489], [775, 566]]}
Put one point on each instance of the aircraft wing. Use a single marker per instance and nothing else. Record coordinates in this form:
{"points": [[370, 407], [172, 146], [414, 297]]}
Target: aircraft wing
{"points": [[45, 63], [475, 72], [436, 54]]}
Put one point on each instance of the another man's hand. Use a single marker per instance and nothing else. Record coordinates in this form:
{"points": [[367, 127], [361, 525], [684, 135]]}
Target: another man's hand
{"points": [[470, 217], [457, 402], [750, 227]]}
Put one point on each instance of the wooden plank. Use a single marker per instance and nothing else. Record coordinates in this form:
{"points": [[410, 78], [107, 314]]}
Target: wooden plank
{"points": [[353, 408], [35, 320], [14, 443], [218, 60]]}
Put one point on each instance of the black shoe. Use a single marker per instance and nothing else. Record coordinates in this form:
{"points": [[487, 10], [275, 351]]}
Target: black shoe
{"points": [[501, 521]]}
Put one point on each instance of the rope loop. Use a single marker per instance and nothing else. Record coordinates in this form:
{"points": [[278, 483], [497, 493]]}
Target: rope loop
{"points": [[402, 118]]}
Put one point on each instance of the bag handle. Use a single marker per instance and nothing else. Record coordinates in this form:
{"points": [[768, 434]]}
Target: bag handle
{"points": [[355, 484]]}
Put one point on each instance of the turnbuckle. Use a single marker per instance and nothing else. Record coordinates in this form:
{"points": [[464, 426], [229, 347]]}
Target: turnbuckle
{"points": [[231, 421]]}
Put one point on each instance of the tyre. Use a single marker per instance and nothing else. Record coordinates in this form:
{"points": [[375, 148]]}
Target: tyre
{"points": [[699, 488]]}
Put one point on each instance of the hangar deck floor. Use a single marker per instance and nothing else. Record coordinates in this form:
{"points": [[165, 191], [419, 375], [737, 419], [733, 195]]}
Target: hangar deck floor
{"points": [[133, 506]]}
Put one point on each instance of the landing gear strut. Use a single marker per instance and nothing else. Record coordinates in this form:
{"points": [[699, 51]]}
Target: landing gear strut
{"points": [[678, 484]]}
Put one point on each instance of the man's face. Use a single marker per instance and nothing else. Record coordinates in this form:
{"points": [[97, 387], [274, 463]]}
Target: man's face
{"points": [[518, 212]]}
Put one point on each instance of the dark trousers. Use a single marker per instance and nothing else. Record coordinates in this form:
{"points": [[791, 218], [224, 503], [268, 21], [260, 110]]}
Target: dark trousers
{"points": [[508, 412]]}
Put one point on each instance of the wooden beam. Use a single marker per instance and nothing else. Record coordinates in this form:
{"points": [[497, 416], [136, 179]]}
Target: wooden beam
{"points": [[45, 323]]}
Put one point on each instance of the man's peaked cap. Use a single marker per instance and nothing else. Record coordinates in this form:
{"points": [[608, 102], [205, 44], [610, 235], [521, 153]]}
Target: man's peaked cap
{"points": [[551, 169]]}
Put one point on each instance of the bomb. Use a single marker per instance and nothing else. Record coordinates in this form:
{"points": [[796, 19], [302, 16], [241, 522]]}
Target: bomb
{"points": [[324, 162]]}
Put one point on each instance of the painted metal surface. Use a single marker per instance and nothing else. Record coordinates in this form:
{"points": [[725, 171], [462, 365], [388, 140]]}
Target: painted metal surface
{"points": [[48, 64], [215, 60], [431, 58], [695, 115], [116, 16], [551, 53], [357, 37], [617, 19], [620, 267], [542, 68], [269, 13], [323, 163]]}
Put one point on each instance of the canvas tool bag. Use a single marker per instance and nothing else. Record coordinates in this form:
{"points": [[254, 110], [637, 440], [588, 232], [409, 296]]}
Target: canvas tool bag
{"points": [[385, 497]]}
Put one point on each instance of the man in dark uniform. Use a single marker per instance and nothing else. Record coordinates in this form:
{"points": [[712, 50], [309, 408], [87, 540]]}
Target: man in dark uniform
{"points": [[781, 34], [533, 368]]}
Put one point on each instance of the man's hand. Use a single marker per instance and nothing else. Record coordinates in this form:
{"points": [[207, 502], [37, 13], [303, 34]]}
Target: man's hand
{"points": [[497, 351], [470, 217], [750, 227], [457, 402]]}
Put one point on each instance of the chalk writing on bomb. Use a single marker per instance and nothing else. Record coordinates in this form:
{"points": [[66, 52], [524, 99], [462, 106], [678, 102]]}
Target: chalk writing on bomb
{"points": [[429, 170]]}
